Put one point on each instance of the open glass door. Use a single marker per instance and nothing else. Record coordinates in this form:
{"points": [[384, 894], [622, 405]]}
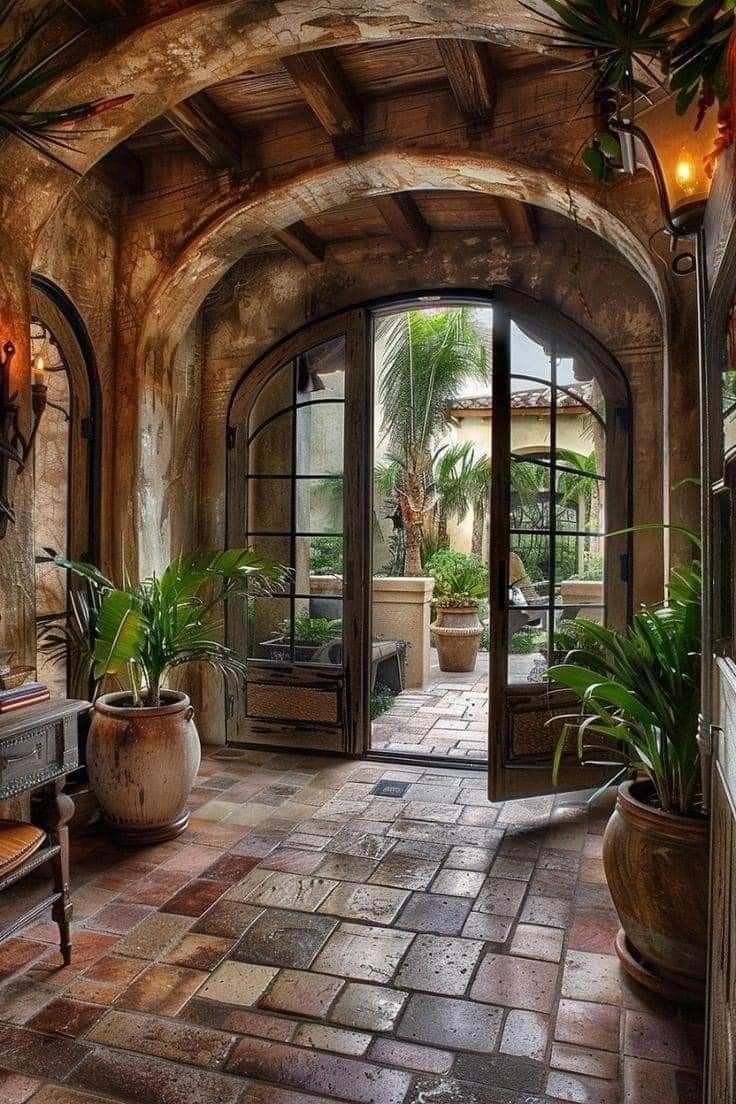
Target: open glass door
{"points": [[560, 483], [288, 493]]}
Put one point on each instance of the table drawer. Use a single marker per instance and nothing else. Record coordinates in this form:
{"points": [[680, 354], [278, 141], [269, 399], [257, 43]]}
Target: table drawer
{"points": [[37, 755]]}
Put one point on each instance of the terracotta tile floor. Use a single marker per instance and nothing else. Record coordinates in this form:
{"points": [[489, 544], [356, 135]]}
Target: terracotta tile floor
{"points": [[308, 940]]}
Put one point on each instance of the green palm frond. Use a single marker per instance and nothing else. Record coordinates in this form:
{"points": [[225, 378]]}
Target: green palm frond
{"points": [[640, 691], [120, 633], [151, 627], [44, 130]]}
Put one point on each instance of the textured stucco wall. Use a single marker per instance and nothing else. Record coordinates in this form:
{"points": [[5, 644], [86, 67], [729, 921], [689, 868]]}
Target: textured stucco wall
{"points": [[78, 252]]}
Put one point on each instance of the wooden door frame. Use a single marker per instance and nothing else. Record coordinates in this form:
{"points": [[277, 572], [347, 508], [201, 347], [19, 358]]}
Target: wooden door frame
{"points": [[352, 324], [359, 397], [528, 777], [53, 309]]}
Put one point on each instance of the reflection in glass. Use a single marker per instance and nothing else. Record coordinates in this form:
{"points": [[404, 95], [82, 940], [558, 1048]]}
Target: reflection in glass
{"points": [[319, 438], [728, 385], [303, 443], [51, 464], [270, 449]]}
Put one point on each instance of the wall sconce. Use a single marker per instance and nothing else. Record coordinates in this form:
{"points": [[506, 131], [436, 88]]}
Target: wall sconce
{"points": [[679, 156], [15, 447]]}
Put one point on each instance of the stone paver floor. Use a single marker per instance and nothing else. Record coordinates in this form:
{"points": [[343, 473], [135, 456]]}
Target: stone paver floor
{"points": [[309, 941], [447, 719]]}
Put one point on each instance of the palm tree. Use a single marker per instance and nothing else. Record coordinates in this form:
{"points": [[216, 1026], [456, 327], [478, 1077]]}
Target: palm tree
{"points": [[429, 356]]}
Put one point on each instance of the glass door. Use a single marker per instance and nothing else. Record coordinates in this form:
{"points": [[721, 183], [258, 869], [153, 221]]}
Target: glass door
{"points": [[560, 484], [290, 491]]}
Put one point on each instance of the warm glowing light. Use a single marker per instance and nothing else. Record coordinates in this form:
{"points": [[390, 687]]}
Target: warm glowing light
{"points": [[39, 371], [686, 173]]}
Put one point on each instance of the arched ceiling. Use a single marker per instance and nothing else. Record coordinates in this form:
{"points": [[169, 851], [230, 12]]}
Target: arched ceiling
{"points": [[163, 53]]}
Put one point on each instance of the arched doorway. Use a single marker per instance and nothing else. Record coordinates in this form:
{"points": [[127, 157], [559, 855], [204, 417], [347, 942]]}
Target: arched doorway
{"points": [[309, 429], [64, 465]]}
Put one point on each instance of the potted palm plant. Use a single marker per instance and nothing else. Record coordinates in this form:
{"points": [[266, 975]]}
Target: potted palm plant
{"points": [[460, 585], [639, 694], [143, 749]]}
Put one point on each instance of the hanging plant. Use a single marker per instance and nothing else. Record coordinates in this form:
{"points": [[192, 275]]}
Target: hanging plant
{"points": [[43, 130], [632, 47]]}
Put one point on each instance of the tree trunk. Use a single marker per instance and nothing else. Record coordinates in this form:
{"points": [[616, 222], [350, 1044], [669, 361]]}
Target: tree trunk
{"points": [[413, 560], [479, 518], [443, 539]]}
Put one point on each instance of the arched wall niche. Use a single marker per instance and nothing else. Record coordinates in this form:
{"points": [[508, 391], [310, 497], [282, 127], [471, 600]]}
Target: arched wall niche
{"points": [[264, 298]]}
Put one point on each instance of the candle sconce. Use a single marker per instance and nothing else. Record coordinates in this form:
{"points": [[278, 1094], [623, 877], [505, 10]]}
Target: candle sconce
{"points": [[15, 447]]}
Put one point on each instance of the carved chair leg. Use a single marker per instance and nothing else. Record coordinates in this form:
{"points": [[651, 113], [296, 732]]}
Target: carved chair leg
{"points": [[53, 812]]}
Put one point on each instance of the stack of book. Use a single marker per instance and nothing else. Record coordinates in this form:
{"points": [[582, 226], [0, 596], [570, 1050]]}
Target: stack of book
{"points": [[30, 693]]}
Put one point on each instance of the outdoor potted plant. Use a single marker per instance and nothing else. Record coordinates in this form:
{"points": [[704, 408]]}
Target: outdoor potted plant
{"points": [[143, 750], [310, 636], [640, 697], [460, 585]]}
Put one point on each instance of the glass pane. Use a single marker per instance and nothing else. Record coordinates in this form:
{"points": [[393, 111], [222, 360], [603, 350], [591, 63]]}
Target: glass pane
{"points": [[269, 627], [321, 372], [531, 353], [269, 452], [528, 643], [565, 635], [326, 558], [319, 433], [579, 502], [268, 506], [51, 497], [319, 505], [579, 571], [530, 416], [318, 631], [277, 549], [529, 569], [323, 580], [728, 385], [530, 481], [277, 394]]}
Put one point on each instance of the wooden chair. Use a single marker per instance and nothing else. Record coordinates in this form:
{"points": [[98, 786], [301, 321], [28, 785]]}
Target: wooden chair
{"points": [[23, 848]]}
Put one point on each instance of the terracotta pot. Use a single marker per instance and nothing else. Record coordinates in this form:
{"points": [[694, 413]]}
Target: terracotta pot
{"points": [[657, 870], [457, 632], [142, 763]]}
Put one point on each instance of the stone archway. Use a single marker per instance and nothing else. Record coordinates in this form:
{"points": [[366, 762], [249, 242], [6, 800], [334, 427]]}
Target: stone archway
{"points": [[215, 245]]}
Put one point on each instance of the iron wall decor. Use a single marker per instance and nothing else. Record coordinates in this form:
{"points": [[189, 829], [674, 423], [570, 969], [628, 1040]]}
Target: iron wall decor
{"points": [[15, 447]]}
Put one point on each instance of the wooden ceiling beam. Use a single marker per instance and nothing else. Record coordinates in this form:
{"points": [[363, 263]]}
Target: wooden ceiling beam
{"points": [[404, 220], [97, 11], [519, 220], [211, 133], [470, 72], [323, 85], [302, 242]]}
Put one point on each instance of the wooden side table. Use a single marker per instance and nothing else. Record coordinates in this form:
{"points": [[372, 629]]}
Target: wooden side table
{"points": [[39, 746]]}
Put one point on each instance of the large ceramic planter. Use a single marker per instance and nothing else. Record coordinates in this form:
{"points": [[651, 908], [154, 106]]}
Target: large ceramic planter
{"points": [[657, 870], [457, 632], [142, 763]]}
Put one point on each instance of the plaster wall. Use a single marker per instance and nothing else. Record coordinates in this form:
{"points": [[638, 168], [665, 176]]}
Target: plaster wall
{"points": [[78, 252]]}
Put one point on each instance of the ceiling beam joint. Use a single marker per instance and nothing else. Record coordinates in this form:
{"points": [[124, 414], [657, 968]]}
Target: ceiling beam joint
{"points": [[404, 220], [208, 130], [469, 68], [519, 220], [302, 242], [325, 88]]}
